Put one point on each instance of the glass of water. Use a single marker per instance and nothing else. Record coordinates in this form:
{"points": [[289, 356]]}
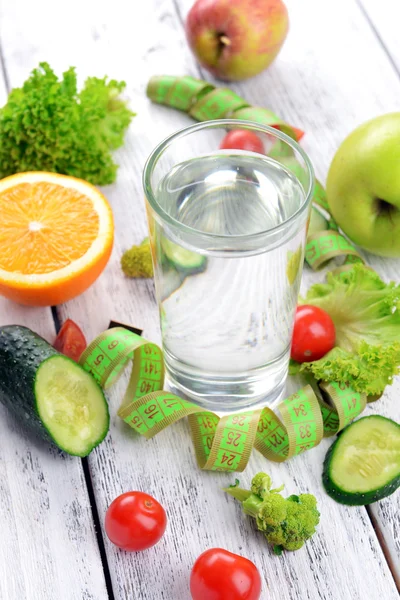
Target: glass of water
{"points": [[227, 232]]}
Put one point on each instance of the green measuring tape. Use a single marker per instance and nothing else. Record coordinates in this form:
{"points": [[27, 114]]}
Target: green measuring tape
{"points": [[322, 246], [203, 101], [221, 443]]}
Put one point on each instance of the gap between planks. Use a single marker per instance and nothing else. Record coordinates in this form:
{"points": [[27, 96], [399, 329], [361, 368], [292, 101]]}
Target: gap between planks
{"points": [[98, 528], [374, 521], [385, 549], [196, 68], [6, 88], [3, 70], [92, 497], [378, 36]]}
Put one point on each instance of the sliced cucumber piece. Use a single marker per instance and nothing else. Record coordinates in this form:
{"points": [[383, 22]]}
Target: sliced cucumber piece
{"points": [[183, 260], [50, 393], [70, 406], [171, 282], [363, 464]]}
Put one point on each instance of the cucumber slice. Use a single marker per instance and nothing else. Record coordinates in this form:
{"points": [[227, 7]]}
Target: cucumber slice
{"points": [[171, 282], [363, 464], [50, 393], [183, 260]]}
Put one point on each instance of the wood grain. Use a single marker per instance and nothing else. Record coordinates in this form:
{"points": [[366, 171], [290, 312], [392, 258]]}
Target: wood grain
{"points": [[48, 545], [317, 83], [331, 60], [383, 17]]}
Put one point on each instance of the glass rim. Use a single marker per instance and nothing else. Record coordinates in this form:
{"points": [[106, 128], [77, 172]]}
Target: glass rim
{"points": [[217, 124]]}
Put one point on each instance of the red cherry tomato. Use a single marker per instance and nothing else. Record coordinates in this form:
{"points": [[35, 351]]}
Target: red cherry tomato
{"points": [[313, 334], [135, 521], [242, 139], [70, 340], [221, 575]]}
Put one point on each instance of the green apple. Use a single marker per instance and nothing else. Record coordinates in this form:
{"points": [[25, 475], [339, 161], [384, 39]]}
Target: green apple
{"points": [[236, 39], [363, 186]]}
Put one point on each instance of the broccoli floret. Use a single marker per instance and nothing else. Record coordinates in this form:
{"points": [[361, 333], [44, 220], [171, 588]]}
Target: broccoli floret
{"points": [[286, 522], [261, 484], [271, 512], [137, 262]]}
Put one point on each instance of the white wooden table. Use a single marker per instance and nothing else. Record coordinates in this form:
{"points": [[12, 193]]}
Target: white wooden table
{"points": [[339, 66]]}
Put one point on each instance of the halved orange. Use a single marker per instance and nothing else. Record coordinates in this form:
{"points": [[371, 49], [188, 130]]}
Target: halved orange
{"points": [[56, 236]]}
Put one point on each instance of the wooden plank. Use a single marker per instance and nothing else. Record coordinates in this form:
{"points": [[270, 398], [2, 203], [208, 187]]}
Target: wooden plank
{"points": [[344, 559], [48, 544], [49, 548], [385, 514], [319, 90], [384, 17], [174, 475]]}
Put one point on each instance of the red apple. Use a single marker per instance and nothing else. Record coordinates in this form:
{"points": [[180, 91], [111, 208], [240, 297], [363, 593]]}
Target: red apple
{"points": [[236, 39]]}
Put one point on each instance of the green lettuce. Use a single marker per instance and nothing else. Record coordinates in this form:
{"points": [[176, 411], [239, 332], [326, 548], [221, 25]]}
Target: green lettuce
{"points": [[365, 311], [47, 125]]}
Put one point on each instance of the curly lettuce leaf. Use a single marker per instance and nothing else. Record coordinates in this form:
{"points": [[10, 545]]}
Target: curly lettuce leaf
{"points": [[47, 125], [369, 371], [365, 311], [361, 305]]}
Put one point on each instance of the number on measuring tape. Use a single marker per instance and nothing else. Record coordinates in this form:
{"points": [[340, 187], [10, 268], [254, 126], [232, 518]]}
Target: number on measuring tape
{"points": [[276, 439], [146, 387], [151, 411], [228, 459], [221, 444], [137, 421], [351, 403], [300, 410], [207, 422], [209, 441], [169, 403], [305, 431], [238, 420], [233, 438]]}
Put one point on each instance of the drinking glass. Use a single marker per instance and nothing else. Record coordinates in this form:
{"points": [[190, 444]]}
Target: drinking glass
{"points": [[227, 231]]}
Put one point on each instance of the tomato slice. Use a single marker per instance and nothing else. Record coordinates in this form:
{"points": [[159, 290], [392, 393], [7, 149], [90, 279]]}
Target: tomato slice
{"points": [[299, 133], [70, 340]]}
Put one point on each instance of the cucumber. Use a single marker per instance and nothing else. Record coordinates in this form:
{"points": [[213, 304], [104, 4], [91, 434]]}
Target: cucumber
{"points": [[183, 260], [363, 464], [171, 282], [50, 393]]}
